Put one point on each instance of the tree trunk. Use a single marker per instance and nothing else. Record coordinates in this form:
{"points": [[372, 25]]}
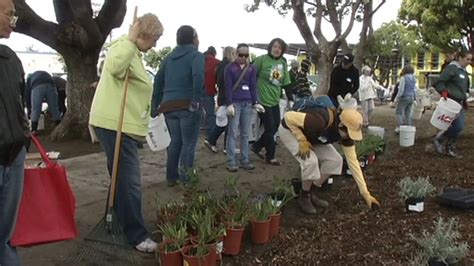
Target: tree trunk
{"points": [[82, 72], [325, 65]]}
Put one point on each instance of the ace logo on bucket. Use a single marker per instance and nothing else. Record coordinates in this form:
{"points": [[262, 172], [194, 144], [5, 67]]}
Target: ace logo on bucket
{"points": [[445, 118]]}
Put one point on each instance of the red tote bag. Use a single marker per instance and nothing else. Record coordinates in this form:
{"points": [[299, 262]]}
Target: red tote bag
{"points": [[47, 208]]}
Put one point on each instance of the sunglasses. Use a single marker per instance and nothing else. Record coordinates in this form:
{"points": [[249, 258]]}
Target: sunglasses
{"points": [[243, 55]]}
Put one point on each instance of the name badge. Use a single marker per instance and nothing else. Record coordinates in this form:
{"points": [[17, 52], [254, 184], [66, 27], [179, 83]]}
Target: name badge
{"points": [[349, 80], [462, 76], [245, 87]]}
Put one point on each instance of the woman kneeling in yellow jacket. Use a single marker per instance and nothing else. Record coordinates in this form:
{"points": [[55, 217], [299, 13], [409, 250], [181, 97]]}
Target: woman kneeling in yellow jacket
{"points": [[308, 136]]}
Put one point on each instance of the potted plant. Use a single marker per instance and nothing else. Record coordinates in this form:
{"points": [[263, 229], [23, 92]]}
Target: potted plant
{"points": [[168, 212], [196, 255], [283, 192], [260, 222], [174, 238], [441, 247], [235, 212], [368, 148], [193, 186], [414, 192]]}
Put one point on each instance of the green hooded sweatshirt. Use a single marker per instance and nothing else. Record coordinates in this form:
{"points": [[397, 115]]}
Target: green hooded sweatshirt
{"points": [[105, 110]]}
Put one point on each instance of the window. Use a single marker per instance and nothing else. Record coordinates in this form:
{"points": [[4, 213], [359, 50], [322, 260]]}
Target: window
{"points": [[420, 63], [434, 60]]}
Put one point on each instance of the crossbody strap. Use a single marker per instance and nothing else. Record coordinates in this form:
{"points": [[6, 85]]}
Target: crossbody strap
{"points": [[241, 77]]}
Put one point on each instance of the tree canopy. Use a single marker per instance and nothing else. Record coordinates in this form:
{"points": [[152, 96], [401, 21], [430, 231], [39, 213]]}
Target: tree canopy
{"points": [[153, 57], [445, 24]]}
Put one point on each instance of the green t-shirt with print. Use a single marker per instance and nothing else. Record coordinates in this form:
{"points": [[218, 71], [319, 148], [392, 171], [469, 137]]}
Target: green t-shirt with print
{"points": [[272, 76]]}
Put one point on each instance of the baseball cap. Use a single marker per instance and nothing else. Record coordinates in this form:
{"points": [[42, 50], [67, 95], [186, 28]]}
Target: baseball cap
{"points": [[353, 121], [221, 116], [347, 58]]}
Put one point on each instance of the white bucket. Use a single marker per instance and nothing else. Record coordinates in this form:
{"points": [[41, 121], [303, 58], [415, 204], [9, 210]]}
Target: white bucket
{"points": [[407, 136], [376, 131], [418, 111], [446, 111]]}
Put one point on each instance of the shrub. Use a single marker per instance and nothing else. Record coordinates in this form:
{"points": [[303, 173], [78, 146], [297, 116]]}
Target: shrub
{"points": [[419, 188]]}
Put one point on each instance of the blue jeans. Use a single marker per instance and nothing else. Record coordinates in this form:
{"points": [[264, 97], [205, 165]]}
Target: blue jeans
{"points": [[128, 198], [11, 188], [271, 121], [404, 110], [48, 92], [242, 118], [216, 133], [183, 126], [210, 108], [456, 127]]}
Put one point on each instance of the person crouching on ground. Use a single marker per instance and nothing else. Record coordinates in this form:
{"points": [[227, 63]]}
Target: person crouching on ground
{"points": [[308, 136]]}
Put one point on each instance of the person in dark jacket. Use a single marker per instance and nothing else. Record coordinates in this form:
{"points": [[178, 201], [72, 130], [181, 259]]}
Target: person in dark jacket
{"points": [[344, 79], [61, 88], [41, 86], [14, 134], [454, 84], [209, 104], [211, 141], [178, 91]]}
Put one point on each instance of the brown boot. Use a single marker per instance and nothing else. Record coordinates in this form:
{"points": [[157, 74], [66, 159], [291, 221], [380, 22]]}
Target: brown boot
{"points": [[317, 202], [305, 203]]}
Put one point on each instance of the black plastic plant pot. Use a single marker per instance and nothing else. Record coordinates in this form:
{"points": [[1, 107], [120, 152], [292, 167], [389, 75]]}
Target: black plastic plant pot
{"points": [[436, 262], [296, 183], [415, 205], [327, 185]]}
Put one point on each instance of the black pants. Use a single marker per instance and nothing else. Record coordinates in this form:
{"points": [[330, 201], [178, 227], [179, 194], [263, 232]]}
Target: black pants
{"points": [[271, 121]]}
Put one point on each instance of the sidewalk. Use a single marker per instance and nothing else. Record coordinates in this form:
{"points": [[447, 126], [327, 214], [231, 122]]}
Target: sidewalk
{"points": [[88, 178]]}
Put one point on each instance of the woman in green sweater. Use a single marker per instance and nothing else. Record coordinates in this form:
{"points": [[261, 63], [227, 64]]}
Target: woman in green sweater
{"points": [[454, 84], [124, 55]]}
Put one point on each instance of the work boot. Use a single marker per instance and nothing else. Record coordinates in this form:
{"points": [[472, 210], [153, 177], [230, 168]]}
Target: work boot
{"points": [[317, 202], [452, 151], [305, 202]]}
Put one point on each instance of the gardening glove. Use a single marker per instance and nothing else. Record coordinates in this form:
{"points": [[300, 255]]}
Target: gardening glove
{"points": [[354, 166], [348, 102], [444, 94], [259, 108], [304, 150], [231, 110]]}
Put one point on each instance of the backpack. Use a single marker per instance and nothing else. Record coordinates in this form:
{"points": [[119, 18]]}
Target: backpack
{"points": [[308, 103]]}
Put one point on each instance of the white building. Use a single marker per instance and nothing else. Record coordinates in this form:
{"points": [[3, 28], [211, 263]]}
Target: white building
{"points": [[47, 61]]}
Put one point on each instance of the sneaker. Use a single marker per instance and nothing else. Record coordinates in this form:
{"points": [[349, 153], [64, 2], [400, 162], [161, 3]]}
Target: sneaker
{"points": [[257, 152], [209, 146], [439, 147], [224, 151], [274, 162], [147, 246], [232, 168], [397, 130], [453, 153], [247, 166], [170, 183]]}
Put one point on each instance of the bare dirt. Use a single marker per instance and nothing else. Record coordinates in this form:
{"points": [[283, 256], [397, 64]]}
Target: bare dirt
{"points": [[346, 233]]}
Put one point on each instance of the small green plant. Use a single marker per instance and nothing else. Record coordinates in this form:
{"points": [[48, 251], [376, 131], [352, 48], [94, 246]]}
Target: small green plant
{"points": [[235, 210], [369, 145], [230, 186], [262, 208], [415, 188], [174, 234], [442, 244], [283, 190], [169, 211]]}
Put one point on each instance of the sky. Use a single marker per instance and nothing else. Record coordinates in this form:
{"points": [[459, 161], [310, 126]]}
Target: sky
{"points": [[218, 22]]}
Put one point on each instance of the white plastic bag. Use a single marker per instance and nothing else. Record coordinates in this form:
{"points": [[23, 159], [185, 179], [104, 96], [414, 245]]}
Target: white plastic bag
{"points": [[158, 137]]}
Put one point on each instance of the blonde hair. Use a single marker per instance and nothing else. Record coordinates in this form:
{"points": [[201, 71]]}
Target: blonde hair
{"points": [[229, 53], [150, 25]]}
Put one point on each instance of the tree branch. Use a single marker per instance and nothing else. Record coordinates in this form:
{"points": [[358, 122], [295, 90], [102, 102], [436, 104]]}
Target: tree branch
{"points": [[31, 24], [318, 23], [85, 29], [63, 11], [355, 6], [299, 17], [378, 7], [111, 15], [334, 19]]}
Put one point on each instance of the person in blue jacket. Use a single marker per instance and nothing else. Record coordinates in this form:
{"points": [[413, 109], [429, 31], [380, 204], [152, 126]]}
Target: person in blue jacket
{"points": [[178, 89]]}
